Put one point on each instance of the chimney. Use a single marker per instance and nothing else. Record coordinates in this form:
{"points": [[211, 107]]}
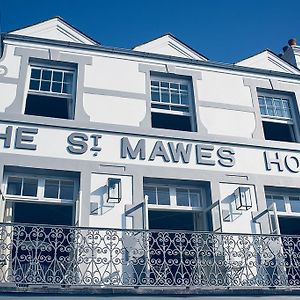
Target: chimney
{"points": [[285, 48], [291, 53], [292, 42]]}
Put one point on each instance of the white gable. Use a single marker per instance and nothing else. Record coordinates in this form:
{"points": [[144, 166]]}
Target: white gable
{"points": [[169, 45], [55, 29], [268, 61]]}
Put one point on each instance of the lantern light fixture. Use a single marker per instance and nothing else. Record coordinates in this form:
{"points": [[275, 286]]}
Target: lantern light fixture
{"points": [[114, 190], [243, 199]]}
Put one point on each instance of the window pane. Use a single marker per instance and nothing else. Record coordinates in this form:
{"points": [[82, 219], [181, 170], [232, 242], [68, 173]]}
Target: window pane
{"points": [[57, 76], [285, 103], [174, 86], [66, 190], [286, 108], [269, 101], [56, 87], [269, 202], [36, 73], [280, 204], [184, 99], [48, 106], [14, 186], [67, 88], [170, 121], [161, 106], [175, 98], [261, 100], [263, 110], [183, 87], [165, 85], [45, 86], [154, 96], [287, 114], [34, 85], [270, 108], [195, 199], [30, 187], [180, 108], [278, 131], [163, 196], [46, 75], [269, 197], [51, 188], [278, 108], [182, 197], [295, 204], [165, 97], [155, 83], [68, 78], [151, 193]]}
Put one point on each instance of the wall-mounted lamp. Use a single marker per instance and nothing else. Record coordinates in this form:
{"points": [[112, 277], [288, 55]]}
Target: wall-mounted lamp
{"points": [[114, 190], [243, 198]]}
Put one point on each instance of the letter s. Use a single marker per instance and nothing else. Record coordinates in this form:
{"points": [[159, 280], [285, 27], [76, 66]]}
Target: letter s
{"points": [[226, 155], [77, 143]]}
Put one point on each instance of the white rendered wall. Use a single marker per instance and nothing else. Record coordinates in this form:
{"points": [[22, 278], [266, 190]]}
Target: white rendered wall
{"points": [[227, 122], [10, 61], [8, 95], [114, 110], [115, 74], [9, 68], [223, 88]]}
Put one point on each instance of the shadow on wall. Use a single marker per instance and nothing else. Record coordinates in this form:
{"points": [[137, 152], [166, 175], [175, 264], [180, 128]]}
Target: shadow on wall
{"points": [[103, 206], [230, 213]]}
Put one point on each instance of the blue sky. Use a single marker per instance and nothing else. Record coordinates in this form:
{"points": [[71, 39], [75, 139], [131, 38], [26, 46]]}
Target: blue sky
{"points": [[225, 31]]}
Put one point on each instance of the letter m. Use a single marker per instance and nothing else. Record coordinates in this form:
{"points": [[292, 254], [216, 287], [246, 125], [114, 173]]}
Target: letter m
{"points": [[127, 150]]}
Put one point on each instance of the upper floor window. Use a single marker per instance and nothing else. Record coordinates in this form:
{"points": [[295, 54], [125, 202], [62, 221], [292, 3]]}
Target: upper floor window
{"points": [[278, 118], [172, 103], [51, 92]]}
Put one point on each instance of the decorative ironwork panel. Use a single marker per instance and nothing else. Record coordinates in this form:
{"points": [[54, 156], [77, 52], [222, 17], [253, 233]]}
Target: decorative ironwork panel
{"points": [[61, 255]]}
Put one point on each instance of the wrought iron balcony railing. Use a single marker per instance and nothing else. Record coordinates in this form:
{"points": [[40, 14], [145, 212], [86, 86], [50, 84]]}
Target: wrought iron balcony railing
{"points": [[60, 255]]}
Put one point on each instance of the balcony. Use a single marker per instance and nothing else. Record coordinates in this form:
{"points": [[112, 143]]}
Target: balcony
{"points": [[66, 257]]}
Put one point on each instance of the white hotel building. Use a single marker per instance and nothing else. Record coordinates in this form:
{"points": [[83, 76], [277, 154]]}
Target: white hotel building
{"points": [[149, 171]]}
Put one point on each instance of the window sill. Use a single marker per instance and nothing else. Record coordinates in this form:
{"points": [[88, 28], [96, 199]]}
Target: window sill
{"points": [[175, 208]]}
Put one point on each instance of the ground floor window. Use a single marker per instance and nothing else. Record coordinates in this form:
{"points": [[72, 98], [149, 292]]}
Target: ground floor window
{"points": [[39, 196], [286, 200], [177, 205], [48, 186], [179, 195], [36, 201]]}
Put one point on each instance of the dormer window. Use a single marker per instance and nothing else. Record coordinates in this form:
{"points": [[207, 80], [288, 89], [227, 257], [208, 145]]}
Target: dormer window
{"points": [[51, 92]]}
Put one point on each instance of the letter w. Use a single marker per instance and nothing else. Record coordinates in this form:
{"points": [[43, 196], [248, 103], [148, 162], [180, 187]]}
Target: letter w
{"points": [[180, 152]]}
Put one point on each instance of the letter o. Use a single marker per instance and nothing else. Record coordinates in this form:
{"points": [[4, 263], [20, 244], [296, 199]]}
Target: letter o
{"points": [[292, 163]]}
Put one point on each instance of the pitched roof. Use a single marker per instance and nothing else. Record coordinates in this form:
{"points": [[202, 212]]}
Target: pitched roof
{"points": [[268, 60], [168, 44], [55, 29]]}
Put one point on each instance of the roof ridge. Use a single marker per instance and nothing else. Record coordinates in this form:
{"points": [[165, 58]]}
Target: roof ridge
{"points": [[62, 20]]}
